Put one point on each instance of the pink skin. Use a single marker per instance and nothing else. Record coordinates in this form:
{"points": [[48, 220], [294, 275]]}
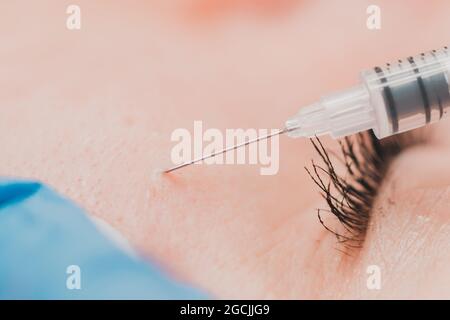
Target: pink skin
{"points": [[91, 113]]}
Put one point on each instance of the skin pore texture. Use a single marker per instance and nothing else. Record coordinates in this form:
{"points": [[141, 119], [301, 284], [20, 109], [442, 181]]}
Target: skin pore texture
{"points": [[90, 112]]}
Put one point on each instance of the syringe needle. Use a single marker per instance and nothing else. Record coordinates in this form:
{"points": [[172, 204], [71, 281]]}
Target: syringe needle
{"points": [[243, 144]]}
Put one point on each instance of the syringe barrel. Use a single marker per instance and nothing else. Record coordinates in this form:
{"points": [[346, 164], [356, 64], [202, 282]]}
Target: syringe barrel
{"points": [[394, 98], [410, 93]]}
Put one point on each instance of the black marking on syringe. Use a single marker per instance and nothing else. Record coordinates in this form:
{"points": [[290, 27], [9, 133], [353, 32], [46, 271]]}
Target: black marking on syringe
{"points": [[441, 107], [389, 98], [423, 91]]}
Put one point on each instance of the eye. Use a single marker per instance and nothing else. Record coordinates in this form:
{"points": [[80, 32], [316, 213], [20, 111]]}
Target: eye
{"points": [[365, 161]]}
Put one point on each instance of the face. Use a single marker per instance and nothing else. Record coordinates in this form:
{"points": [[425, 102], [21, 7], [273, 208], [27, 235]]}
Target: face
{"points": [[91, 113]]}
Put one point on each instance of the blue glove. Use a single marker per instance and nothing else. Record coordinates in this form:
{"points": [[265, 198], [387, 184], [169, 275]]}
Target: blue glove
{"points": [[49, 249]]}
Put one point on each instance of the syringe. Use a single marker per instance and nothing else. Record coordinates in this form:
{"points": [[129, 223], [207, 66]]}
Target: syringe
{"points": [[395, 98]]}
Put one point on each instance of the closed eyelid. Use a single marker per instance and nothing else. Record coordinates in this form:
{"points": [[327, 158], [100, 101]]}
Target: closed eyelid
{"points": [[427, 166], [350, 196]]}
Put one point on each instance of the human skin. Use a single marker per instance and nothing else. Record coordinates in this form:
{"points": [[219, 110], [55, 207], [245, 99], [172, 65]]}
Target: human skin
{"points": [[90, 112]]}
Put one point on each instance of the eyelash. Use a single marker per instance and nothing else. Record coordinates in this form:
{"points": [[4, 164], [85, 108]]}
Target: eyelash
{"points": [[350, 198]]}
